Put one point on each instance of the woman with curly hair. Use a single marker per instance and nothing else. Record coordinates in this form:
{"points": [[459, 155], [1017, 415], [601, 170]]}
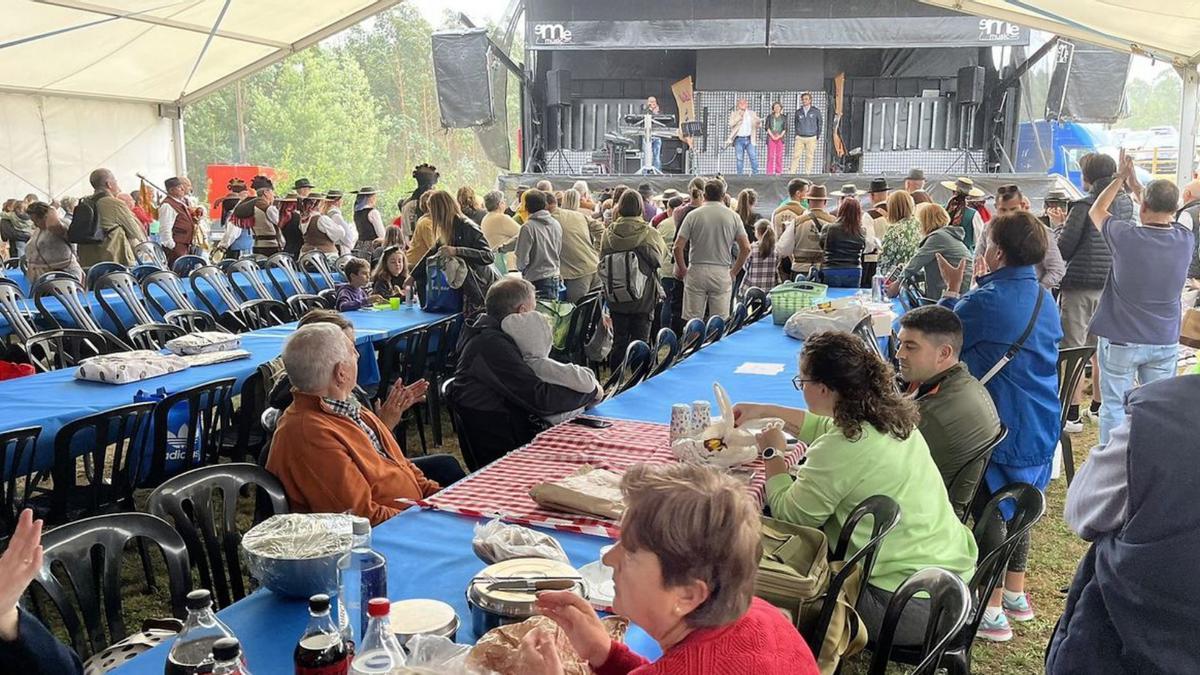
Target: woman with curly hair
{"points": [[863, 441]]}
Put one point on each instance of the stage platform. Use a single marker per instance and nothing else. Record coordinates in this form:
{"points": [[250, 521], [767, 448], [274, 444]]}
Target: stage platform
{"points": [[773, 189]]}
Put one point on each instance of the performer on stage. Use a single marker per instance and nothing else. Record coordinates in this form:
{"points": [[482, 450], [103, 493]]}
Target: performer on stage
{"points": [[743, 127], [651, 108], [777, 128], [808, 130]]}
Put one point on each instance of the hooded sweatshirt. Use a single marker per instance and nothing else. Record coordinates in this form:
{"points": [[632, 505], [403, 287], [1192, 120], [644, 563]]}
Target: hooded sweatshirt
{"points": [[949, 242], [635, 234], [533, 336]]}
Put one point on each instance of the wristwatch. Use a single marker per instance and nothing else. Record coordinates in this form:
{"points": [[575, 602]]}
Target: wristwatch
{"points": [[771, 453]]}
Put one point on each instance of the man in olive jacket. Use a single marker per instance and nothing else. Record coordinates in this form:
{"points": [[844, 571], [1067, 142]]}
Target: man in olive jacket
{"points": [[122, 231]]}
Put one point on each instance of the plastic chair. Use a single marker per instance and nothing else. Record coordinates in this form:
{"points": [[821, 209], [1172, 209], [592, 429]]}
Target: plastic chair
{"points": [[950, 603], [461, 430], [737, 319], [404, 357], [286, 265], [247, 269], [665, 340], [340, 263], [1071, 364], [437, 340], [100, 269], [184, 265], [240, 315], [633, 369], [1029, 508], [583, 322], [144, 270], [758, 304], [169, 285], [150, 253], [692, 338], [60, 348], [108, 440], [866, 331], [315, 262], [912, 296], [714, 330], [194, 320], [207, 407], [299, 305], [218, 283], [212, 536], [17, 450], [885, 515], [124, 285], [71, 296], [88, 555], [245, 435], [20, 320], [14, 263], [154, 336], [972, 472]]}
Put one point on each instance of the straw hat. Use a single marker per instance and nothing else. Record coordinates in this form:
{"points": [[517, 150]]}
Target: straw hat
{"points": [[963, 186], [848, 190]]}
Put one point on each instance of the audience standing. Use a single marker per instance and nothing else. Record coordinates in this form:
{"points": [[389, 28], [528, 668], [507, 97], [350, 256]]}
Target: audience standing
{"points": [[578, 260], [122, 231], [630, 247], [539, 245], [704, 258]]}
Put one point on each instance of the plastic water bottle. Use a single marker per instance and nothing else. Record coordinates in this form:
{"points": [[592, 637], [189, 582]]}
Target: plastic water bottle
{"points": [[877, 292], [362, 575], [381, 653], [192, 649]]}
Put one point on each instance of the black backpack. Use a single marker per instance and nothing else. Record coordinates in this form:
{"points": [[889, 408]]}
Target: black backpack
{"points": [[85, 223]]}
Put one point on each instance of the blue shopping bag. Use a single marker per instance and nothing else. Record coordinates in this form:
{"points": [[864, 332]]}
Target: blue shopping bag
{"points": [[439, 295], [177, 435]]}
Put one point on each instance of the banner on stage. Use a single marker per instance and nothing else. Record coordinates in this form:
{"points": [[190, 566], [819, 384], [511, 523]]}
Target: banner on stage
{"points": [[685, 100]]}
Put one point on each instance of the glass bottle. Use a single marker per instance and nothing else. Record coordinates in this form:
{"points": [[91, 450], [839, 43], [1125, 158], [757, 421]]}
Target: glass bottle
{"points": [[321, 650], [362, 575], [192, 649], [380, 653]]}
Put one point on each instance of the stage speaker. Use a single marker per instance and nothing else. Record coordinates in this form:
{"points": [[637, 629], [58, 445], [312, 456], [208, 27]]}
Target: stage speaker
{"points": [[462, 76], [558, 87], [970, 85]]}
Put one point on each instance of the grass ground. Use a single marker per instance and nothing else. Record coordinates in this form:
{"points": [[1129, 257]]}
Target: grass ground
{"points": [[1053, 557]]}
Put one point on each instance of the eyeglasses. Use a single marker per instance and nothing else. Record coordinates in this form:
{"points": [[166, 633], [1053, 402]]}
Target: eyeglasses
{"points": [[799, 381], [1010, 189]]}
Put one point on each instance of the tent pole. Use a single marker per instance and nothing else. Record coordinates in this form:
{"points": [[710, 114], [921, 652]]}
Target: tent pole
{"points": [[180, 147], [1187, 125]]}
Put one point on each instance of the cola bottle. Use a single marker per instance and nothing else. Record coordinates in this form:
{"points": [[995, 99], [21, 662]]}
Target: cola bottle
{"points": [[192, 650], [321, 650]]}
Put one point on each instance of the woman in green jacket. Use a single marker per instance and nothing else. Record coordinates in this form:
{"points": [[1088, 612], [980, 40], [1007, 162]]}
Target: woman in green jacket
{"points": [[863, 441], [629, 231]]}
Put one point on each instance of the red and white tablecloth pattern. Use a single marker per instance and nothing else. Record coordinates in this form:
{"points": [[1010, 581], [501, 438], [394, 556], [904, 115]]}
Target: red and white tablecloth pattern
{"points": [[502, 488]]}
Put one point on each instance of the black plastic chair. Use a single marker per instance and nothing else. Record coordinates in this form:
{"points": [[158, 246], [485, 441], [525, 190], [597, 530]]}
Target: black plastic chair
{"points": [[245, 436], [714, 330], [20, 320], [207, 408], [633, 369], [125, 286], [154, 336], [73, 299], [737, 319], [758, 304], [582, 325], [404, 356], [100, 269], [81, 574], [972, 471], [461, 430], [144, 270], [299, 305], [692, 338], [340, 263], [912, 296], [315, 262], [664, 341], [950, 604], [65, 347], [212, 536], [866, 331], [437, 339], [17, 450], [184, 265], [150, 253], [248, 270], [885, 515], [1030, 506], [14, 263], [100, 448], [286, 265], [169, 285], [1071, 364]]}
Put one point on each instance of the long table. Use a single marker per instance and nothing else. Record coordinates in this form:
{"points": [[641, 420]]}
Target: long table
{"points": [[50, 400], [429, 556]]}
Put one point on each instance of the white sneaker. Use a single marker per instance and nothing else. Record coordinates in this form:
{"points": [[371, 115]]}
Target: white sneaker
{"points": [[1074, 427]]}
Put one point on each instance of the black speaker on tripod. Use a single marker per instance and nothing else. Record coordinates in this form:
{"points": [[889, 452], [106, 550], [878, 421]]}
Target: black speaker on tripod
{"points": [[970, 85], [558, 87]]}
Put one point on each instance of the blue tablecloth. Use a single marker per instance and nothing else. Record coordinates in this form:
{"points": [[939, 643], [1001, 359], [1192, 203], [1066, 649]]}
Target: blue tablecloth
{"points": [[754, 347], [52, 399], [429, 556]]}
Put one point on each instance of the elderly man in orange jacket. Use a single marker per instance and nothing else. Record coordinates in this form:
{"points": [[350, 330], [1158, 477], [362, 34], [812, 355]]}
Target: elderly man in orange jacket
{"points": [[331, 453]]}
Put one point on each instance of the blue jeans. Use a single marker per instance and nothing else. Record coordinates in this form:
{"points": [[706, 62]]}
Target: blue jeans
{"points": [[546, 288], [656, 152], [842, 277], [743, 148], [1120, 364]]}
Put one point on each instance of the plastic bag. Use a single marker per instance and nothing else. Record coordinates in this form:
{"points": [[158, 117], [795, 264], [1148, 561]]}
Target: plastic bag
{"points": [[812, 321], [439, 295], [496, 540], [436, 655], [296, 554]]}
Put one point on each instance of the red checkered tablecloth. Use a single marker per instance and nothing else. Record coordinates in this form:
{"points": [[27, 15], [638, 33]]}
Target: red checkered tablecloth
{"points": [[502, 488]]}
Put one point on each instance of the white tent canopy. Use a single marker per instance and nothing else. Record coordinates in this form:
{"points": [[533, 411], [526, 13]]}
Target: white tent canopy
{"points": [[1162, 29], [81, 81]]}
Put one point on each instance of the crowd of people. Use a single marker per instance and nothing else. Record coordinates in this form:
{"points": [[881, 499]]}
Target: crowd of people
{"points": [[1001, 290]]}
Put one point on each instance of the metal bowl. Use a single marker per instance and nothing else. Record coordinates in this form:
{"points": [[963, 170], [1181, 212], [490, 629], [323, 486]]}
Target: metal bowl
{"points": [[296, 555], [492, 609]]}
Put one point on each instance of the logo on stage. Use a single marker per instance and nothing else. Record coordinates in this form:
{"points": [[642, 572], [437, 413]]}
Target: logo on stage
{"points": [[551, 34], [996, 30]]}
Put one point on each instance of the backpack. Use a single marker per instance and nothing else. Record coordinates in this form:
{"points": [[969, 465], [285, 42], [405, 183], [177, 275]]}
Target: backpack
{"points": [[85, 223], [622, 277], [440, 296]]}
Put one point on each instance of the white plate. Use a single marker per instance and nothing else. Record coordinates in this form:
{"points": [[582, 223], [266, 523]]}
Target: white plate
{"points": [[600, 583], [755, 426]]}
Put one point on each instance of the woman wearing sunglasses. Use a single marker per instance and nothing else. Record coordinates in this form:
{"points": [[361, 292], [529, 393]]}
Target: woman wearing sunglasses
{"points": [[863, 441]]}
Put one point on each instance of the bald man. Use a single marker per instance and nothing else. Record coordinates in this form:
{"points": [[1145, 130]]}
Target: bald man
{"points": [[121, 228], [1189, 217]]}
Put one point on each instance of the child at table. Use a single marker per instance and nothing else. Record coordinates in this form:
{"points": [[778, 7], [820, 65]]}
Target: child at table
{"points": [[531, 331], [352, 294], [389, 276]]}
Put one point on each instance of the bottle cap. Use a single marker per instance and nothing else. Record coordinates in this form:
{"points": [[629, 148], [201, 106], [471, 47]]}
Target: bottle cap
{"points": [[378, 607], [226, 649], [361, 526], [318, 603], [199, 599]]}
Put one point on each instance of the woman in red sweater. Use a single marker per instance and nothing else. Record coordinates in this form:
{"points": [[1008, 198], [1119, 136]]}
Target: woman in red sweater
{"points": [[684, 571]]}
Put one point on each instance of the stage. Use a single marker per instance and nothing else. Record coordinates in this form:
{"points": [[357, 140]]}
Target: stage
{"points": [[773, 189]]}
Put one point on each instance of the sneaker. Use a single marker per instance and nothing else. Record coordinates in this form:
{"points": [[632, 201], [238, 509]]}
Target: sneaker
{"points": [[1020, 609], [994, 631], [1073, 426]]}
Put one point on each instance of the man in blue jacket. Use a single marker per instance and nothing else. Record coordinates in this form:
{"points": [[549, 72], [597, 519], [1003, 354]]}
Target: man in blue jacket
{"points": [[807, 123]]}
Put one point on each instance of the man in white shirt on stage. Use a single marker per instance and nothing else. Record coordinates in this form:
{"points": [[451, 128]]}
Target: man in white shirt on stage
{"points": [[743, 127]]}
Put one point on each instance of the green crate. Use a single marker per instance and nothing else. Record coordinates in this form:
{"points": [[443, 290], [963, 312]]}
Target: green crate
{"points": [[792, 296]]}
